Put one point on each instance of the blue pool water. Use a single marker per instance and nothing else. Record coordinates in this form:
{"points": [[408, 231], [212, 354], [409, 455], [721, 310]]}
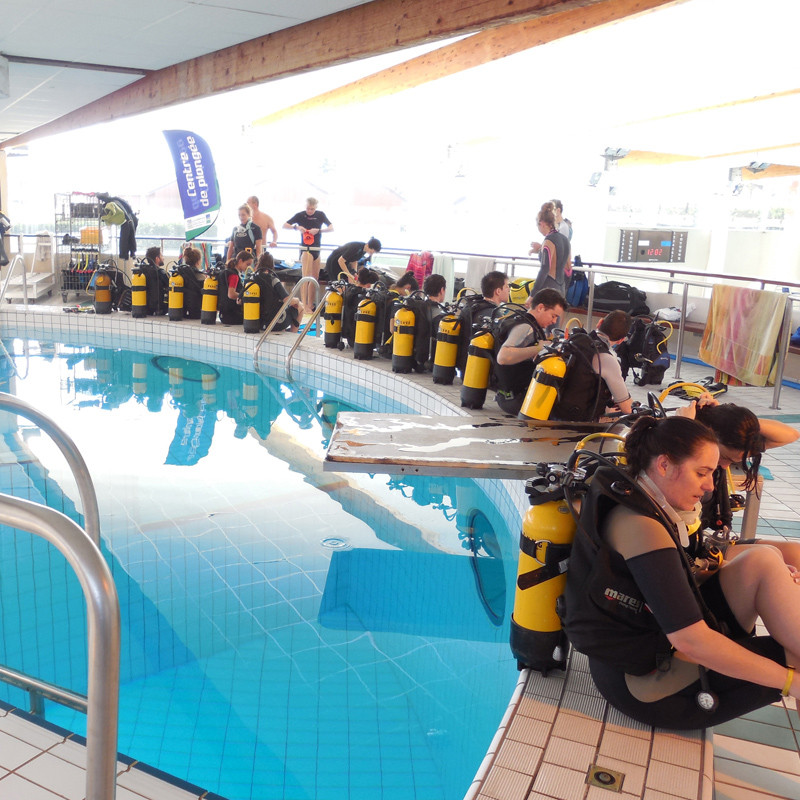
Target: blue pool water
{"points": [[287, 632]]}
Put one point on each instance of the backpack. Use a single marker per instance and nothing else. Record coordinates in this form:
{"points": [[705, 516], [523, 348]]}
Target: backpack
{"points": [[583, 394], [120, 291], [578, 292], [520, 290], [352, 296], [503, 320], [613, 295], [645, 347]]}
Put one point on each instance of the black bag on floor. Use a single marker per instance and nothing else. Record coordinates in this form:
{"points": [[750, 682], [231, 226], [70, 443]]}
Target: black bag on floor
{"points": [[613, 295]]}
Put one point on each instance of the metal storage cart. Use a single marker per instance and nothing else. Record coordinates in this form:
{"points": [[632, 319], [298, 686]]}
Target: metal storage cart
{"points": [[79, 240]]}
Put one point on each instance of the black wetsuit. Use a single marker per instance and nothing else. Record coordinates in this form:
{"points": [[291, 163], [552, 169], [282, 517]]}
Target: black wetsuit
{"points": [[623, 628]]}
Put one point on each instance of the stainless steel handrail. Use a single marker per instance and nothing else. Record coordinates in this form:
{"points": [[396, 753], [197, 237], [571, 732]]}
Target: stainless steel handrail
{"points": [[91, 514], [17, 258], [103, 626], [282, 309], [302, 334], [38, 689]]}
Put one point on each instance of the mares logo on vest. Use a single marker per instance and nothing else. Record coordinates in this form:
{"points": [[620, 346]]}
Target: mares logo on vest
{"points": [[631, 603]]}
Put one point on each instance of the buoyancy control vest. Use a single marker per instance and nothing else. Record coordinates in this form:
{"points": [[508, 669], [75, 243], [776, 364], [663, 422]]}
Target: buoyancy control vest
{"points": [[270, 299], [230, 312], [513, 379], [605, 614], [583, 395], [473, 311]]}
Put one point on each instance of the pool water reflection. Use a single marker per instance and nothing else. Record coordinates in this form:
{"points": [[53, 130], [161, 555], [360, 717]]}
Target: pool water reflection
{"points": [[287, 632]]}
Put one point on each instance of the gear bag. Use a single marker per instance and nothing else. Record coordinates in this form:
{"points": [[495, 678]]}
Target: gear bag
{"points": [[645, 348]]}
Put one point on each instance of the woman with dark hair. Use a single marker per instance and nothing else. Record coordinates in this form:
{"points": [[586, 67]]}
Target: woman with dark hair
{"points": [[743, 438], [666, 647], [554, 253], [406, 284]]}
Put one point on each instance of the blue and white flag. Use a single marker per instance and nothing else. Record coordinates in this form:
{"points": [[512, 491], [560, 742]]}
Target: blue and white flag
{"points": [[197, 181]]}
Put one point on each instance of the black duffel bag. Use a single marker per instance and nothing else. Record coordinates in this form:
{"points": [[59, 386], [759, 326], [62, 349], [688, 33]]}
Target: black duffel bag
{"points": [[613, 295]]}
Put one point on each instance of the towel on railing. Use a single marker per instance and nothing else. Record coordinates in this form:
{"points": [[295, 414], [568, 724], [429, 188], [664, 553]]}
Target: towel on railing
{"points": [[477, 267], [742, 331]]}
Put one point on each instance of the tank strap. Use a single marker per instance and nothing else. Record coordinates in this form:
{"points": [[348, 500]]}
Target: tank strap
{"points": [[556, 561], [448, 337], [479, 351], [547, 379]]}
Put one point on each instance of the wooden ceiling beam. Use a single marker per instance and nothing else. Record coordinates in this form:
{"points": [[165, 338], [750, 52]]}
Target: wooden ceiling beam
{"points": [[479, 48], [374, 28]]}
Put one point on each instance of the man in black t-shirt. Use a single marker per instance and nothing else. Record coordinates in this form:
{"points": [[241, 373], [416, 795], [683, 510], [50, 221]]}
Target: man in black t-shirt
{"points": [[348, 257], [310, 223]]}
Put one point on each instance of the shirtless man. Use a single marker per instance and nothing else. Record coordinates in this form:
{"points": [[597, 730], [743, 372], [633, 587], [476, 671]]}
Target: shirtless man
{"points": [[264, 221]]}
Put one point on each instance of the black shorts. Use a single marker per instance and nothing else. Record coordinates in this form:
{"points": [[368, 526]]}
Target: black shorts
{"points": [[313, 250]]}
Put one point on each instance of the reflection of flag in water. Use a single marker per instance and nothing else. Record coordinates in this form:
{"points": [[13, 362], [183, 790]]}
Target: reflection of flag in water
{"points": [[192, 438], [197, 180]]}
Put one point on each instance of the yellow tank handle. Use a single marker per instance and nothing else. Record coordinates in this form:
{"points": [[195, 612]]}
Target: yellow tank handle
{"points": [[686, 384], [598, 435]]}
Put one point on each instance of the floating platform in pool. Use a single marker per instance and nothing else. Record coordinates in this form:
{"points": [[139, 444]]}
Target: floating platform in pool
{"points": [[472, 447]]}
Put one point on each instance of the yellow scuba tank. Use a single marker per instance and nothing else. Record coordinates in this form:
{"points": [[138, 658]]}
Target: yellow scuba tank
{"points": [[102, 292], [334, 302], [446, 354], [251, 307], [543, 388], [175, 305], [208, 383], [138, 293], [405, 325], [176, 382], [477, 370], [208, 307], [548, 528], [139, 374], [250, 395], [364, 343]]}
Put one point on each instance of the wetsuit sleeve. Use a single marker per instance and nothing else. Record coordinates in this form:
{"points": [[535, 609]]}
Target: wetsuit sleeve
{"points": [[609, 370], [665, 587], [518, 334]]}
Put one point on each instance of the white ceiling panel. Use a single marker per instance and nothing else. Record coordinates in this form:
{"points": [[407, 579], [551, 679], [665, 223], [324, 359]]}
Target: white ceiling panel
{"points": [[138, 34]]}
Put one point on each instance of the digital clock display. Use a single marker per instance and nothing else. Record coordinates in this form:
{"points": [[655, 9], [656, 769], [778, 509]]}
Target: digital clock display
{"points": [[650, 246]]}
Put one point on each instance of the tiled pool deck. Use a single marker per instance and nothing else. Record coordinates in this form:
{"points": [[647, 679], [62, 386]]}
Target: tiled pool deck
{"points": [[555, 727]]}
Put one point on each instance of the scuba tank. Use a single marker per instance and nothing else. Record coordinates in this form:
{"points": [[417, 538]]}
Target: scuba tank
{"points": [[543, 388], [366, 315], [332, 315], [102, 291], [138, 292], [446, 354], [405, 325], [548, 528], [208, 307], [251, 307], [476, 373], [175, 312]]}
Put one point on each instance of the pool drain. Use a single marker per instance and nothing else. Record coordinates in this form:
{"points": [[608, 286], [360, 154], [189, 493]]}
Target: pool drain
{"points": [[336, 543]]}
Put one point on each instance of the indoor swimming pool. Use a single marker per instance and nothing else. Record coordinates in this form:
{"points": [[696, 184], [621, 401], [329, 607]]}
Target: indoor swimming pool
{"points": [[287, 632]]}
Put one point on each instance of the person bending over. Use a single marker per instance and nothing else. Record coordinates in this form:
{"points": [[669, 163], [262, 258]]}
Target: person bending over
{"points": [[346, 259], [743, 438], [514, 368], [663, 643]]}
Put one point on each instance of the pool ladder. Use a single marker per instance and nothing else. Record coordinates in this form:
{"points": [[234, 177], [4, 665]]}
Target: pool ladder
{"points": [[312, 322], [81, 548]]}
